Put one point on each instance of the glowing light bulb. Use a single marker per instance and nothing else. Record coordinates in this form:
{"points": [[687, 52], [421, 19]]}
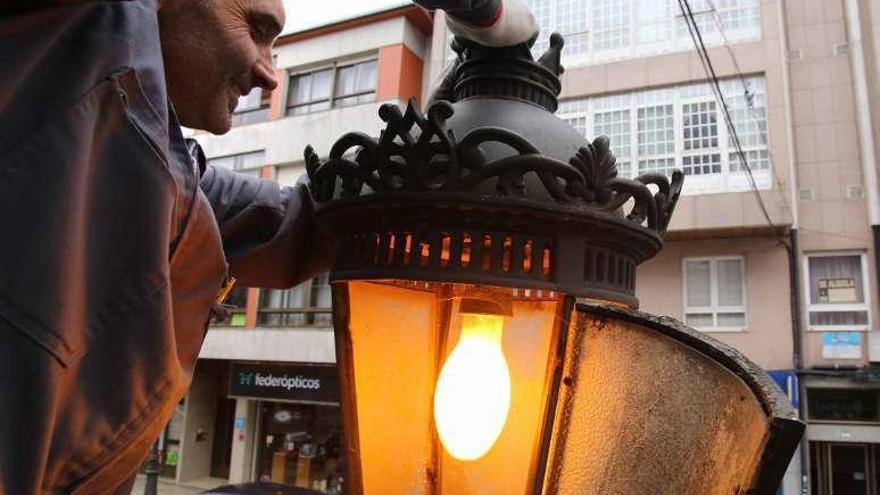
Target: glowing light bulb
{"points": [[472, 397]]}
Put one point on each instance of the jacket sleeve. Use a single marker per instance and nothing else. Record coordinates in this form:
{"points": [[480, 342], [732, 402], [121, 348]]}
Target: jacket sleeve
{"points": [[269, 234], [9, 7], [488, 22]]}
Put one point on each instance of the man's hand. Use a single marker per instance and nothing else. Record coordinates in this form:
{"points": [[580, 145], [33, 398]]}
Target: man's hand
{"points": [[488, 22], [474, 12]]}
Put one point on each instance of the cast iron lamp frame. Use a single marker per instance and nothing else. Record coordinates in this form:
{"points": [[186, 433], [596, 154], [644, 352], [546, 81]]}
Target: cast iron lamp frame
{"points": [[493, 208]]}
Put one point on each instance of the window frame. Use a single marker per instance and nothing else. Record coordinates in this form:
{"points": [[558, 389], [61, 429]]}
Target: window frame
{"points": [[335, 96], [677, 40], [714, 308], [832, 307], [251, 169], [308, 312], [240, 117], [334, 67], [237, 312], [678, 96]]}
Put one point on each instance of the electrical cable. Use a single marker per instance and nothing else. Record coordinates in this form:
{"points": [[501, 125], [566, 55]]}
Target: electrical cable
{"points": [[697, 38], [748, 95]]}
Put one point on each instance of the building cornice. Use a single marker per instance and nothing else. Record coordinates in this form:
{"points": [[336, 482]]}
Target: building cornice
{"points": [[419, 17]]}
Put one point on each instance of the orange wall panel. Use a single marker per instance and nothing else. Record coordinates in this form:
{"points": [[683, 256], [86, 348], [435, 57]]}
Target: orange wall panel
{"points": [[276, 105], [400, 73], [251, 307]]}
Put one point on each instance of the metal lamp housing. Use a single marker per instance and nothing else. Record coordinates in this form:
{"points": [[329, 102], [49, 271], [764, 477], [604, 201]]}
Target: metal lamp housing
{"points": [[490, 204]]}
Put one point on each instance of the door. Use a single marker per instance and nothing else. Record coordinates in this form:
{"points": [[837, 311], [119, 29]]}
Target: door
{"points": [[849, 469], [843, 468], [221, 451]]}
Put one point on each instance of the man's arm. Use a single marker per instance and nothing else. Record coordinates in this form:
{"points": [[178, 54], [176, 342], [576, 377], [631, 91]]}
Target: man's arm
{"points": [[269, 234]]}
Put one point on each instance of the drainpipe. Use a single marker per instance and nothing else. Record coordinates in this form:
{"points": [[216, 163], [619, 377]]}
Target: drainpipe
{"points": [[863, 112], [793, 246], [152, 470], [794, 252]]}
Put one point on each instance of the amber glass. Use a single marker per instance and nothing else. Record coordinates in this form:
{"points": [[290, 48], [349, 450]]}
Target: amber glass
{"points": [[393, 339]]}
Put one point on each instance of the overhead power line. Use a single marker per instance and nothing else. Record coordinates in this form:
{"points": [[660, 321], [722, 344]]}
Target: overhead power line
{"points": [[715, 84], [748, 94]]}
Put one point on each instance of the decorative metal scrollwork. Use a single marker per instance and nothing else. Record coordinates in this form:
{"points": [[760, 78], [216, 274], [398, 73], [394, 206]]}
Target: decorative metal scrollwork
{"points": [[418, 153]]}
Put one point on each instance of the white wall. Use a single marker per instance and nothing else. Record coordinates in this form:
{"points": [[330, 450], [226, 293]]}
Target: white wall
{"points": [[201, 407], [285, 139], [287, 345], [351, 42], [242, 457]]}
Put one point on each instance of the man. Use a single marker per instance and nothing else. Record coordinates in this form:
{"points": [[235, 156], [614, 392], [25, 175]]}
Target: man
{"points": [[117, 238]]}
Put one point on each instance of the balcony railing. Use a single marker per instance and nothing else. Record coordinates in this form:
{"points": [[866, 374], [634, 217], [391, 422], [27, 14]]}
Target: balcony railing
{"points": [[295, 317], [254, 116], [237, 318]]}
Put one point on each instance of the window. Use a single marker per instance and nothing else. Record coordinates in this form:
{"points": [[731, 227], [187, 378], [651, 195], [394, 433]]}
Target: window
{"points": [[654, 21], [307, 304], [715, 293], [699, 125], [843, 404], [355, 84], [571, 21], [616, 125], [611, 25], [236, 304], [599, 30], [748, 112], [338, 86], [278, 307], [252, 108], [714, 16], [547, 14], [701, 164], [247, 162], [656, 140], [658, 130], [837, 296]]}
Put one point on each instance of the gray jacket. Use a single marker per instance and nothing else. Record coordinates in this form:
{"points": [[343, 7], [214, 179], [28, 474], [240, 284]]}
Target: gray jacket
{"points": [[111, 254]]}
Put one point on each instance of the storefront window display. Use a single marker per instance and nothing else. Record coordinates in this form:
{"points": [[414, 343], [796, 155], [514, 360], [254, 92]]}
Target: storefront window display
{"points": [[169, 445], [300, 445]]}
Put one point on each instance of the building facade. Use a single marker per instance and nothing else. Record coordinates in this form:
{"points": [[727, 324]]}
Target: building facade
{"points": [[772, 248]]}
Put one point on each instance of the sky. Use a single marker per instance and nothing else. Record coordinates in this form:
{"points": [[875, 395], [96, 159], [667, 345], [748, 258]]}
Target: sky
{"points": [[305, 14]]}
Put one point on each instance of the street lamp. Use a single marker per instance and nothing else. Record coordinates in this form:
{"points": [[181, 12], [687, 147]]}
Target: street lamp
{"points": [[484, 295]]}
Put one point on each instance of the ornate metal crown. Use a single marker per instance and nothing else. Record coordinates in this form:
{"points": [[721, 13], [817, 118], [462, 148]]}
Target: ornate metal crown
{"points": [[420, 201]]}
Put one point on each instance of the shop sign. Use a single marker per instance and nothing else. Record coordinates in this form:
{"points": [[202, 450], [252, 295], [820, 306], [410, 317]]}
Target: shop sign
{"points": [[838, 290], [788, 382], [842, 345], [293, 383]]}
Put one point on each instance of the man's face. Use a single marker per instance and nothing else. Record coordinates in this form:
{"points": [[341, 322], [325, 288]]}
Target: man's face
{"points": [[214, 52]]}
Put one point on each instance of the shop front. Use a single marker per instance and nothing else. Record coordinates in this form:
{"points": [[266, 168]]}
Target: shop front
{"points": [[169, 445], [844, 437], [296, 427]]}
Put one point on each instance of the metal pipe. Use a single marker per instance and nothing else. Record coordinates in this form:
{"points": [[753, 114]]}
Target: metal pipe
{"points": [[863, 110], [793, 246], [151, 487], [795, 287], [797, 336], [875, 231], [789, 115]]}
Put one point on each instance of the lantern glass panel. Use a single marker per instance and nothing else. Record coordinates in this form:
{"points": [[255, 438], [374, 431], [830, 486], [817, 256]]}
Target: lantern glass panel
{"points": [[399, 338]]}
